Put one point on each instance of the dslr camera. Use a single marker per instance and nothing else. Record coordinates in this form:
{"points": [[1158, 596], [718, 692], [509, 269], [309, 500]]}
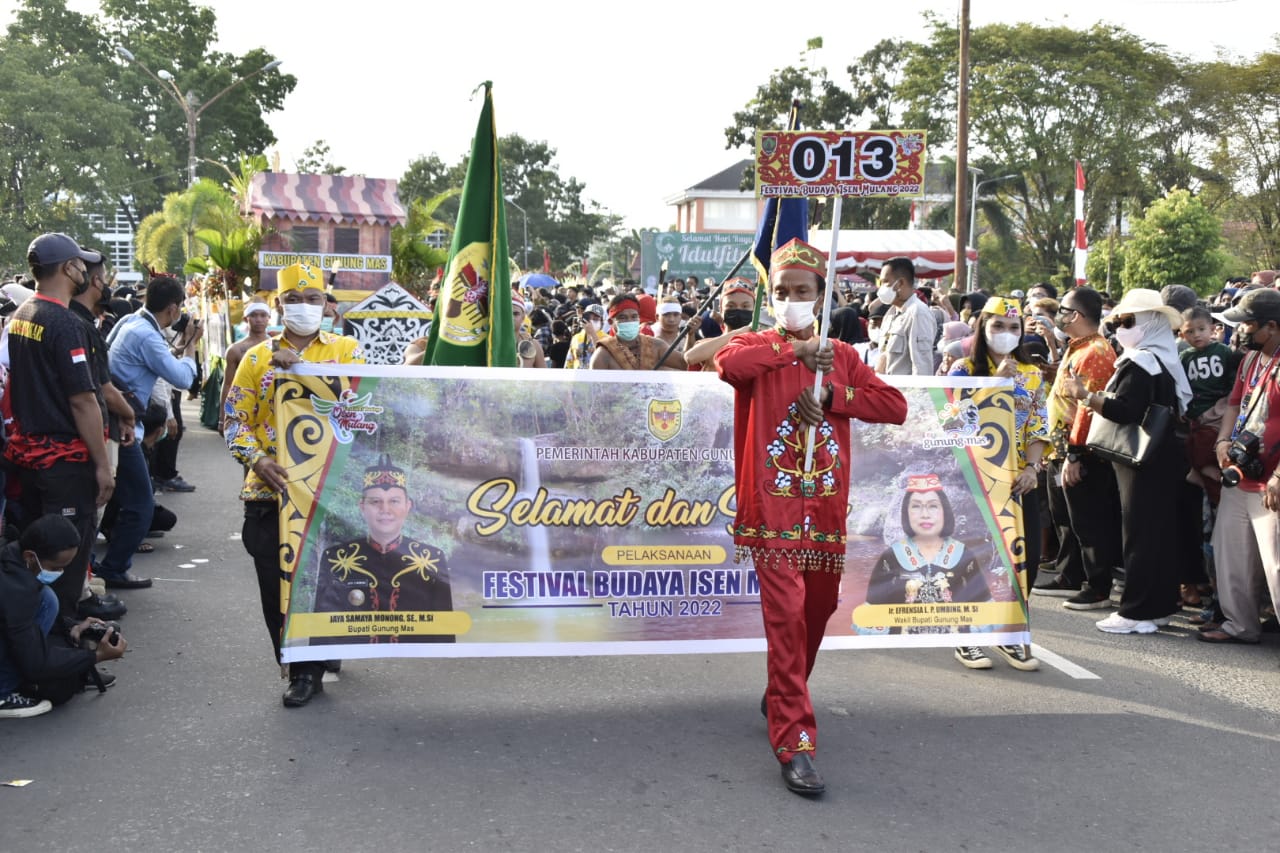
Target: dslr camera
{"points": [[1245, 462], [181, 326], [92, 635]]}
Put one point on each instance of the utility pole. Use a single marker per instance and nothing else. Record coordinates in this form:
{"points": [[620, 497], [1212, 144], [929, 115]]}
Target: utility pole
{"points": [[962, 148]]}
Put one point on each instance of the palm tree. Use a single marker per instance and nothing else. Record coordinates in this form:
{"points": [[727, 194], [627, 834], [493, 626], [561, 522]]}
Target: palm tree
{"points": [[413, 260], [166, 240]]}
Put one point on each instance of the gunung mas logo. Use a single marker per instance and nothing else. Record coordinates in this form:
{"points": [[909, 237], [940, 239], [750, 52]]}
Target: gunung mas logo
{"points": [[348, 414], [960, 422]]}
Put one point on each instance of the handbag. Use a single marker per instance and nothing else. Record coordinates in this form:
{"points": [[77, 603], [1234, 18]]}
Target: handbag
{"points": [[1130, 444]]}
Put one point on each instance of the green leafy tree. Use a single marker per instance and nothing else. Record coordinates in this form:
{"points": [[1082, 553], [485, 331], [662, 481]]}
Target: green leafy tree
{"points": [[315, 160], [148, 154], [1175, 242], [61, 144], [1245, 109], [1040, 98], [561, 220]]}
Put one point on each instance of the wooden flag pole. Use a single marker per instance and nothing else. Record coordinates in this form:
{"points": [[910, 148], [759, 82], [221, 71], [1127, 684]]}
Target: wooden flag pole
{"points": [[825, 328]]}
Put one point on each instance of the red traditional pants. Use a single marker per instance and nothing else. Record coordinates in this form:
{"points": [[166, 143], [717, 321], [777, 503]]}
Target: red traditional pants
{"points": [[796, 606]]}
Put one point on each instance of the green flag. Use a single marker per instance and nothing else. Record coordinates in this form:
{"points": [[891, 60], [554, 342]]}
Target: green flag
{"points": [[473, 324]]}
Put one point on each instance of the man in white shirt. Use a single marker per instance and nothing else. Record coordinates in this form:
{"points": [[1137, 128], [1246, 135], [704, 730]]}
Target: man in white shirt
{"points": [[907, 348]]}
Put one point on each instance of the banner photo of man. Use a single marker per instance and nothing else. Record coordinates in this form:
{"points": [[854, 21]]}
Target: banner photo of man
{"points": [[447, 512]]}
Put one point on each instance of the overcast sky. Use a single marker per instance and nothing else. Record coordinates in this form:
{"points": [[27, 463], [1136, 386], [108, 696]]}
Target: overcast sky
{"points": [[634, 99]]}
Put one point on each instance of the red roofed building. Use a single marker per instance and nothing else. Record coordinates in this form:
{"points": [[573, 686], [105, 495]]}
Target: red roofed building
{"points": [[323, 219]]}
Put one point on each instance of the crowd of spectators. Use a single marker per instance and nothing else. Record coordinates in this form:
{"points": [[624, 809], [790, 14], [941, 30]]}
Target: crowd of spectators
{"points": [[93, 377]]}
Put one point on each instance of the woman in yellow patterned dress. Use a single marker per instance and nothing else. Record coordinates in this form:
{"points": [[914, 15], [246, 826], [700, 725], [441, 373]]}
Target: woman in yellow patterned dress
{"points": [[997, 351]]}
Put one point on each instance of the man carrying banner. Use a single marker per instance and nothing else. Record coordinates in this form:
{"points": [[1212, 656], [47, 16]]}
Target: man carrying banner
{"points": [[250, 432], [627, 349], [384, 572], [791, 519]]}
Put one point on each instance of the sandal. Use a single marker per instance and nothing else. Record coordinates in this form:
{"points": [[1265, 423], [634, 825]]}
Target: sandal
{"points": [[146, 548], [1220, 636]]}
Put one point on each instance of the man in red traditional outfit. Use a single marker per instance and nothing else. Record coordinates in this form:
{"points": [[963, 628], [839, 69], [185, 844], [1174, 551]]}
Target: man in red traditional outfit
{"points": [[791, 521]]}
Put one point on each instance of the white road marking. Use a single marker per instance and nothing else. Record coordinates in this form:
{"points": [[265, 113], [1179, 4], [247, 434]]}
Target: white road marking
{"points": [[186, 565], [199, 560], [1061, 664], [174, 580]]}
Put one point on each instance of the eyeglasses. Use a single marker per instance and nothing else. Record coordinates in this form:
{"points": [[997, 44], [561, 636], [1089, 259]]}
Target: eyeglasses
{"points": [[1065, 310], [1124, 322]]}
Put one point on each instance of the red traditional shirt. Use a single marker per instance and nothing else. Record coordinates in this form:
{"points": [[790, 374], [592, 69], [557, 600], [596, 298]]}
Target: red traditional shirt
{"points": [[781, 509]]}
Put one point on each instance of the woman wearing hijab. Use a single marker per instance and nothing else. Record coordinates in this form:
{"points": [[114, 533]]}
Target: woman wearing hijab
{"points": [[1148, 371]]}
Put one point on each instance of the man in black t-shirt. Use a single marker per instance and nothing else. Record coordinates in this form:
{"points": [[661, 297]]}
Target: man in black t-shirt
{"points": [[88, 306], [56, 436]]}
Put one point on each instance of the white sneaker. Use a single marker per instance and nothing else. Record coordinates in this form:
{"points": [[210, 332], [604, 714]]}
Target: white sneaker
{"points": [[16, 706], [1117, 624], [1019, 657], [973, 658], [1163, 620]]}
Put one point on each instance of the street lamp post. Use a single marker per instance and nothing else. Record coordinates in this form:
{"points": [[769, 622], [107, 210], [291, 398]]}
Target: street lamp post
{"points": [[973, 212], [188, 101], [525, 256]]}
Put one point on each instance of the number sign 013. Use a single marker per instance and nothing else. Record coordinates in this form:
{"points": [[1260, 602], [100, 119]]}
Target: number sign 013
{"points": [[839, 162]]}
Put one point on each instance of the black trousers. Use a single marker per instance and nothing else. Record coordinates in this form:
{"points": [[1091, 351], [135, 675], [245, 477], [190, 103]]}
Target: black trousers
{"points": [[68, 489], [261, 537], [1149, 500], [1031, 536], [164, 461], [1087, 518]]}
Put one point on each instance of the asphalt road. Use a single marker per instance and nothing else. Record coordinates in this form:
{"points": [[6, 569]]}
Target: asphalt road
{"points": [[1129, 743]]}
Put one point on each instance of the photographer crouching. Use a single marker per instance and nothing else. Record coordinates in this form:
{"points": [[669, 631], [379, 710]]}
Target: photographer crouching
{"points": [[39, 666], [1246, 537]]}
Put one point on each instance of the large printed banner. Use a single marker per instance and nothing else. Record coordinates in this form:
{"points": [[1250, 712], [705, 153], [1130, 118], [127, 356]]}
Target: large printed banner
{"points": [[454, 512]]}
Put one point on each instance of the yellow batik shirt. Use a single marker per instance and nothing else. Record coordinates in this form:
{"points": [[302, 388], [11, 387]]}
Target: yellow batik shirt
{"points": [[251, 402]]}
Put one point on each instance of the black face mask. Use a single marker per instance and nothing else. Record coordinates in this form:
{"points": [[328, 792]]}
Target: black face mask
{"points": [[1248, 340], [736, 318]]}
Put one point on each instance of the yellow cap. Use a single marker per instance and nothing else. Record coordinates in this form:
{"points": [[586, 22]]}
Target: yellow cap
{"points": [[299, 277], [1003, 307]]}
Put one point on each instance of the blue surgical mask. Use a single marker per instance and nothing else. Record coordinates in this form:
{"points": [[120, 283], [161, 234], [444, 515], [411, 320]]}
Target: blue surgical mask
{"points": [[629, 330], [47, 576]]}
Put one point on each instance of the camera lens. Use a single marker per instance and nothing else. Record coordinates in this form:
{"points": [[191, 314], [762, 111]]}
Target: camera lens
{"points": [[1231, 476]]}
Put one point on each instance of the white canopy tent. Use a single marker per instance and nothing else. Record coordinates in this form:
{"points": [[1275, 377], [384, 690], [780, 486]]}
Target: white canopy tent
{"points": [[932, 252]]}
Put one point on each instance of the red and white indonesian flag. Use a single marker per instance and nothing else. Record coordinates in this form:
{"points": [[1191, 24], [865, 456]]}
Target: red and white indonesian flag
{"points": [[915, 217], [1082, 239]]}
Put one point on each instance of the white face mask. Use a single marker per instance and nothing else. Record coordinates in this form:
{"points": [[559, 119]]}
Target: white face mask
{"points": [[593, 325], [1129, 338], [1003, 343], [886, 294], [303, 319], [794, 316]]}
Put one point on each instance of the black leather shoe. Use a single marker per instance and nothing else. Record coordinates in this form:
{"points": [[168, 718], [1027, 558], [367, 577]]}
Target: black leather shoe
{"points": [[100, 607], [764, 706], [128, 580], [301, 689], [801, 777]]}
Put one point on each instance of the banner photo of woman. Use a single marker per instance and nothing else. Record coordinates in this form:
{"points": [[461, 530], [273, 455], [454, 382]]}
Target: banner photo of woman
{"points": [[453, 512]]}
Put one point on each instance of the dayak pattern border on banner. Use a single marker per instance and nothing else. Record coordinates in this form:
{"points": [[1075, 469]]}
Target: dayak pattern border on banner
{"points": [[328, 425]]}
